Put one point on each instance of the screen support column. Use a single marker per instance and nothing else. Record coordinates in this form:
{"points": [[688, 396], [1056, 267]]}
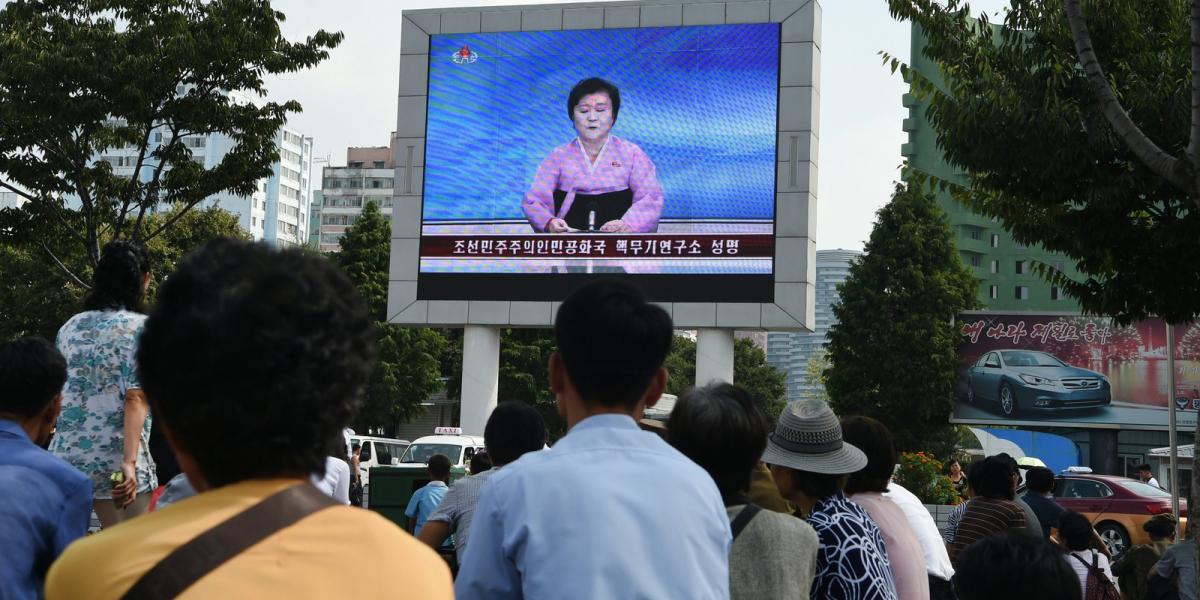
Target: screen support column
{"points": [[480, 376], [714, 356]]}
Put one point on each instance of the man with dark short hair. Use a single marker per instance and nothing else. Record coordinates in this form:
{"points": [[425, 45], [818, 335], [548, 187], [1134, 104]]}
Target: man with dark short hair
{"points": [[991, 510], [425, 500], [1039, 483], [45, 503], [1146, 475], [254, 359], [610, 511], [514, 429]]}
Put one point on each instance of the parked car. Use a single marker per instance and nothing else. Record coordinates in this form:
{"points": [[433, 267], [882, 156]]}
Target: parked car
{"points": [[1022, 380], [1116, 506]]}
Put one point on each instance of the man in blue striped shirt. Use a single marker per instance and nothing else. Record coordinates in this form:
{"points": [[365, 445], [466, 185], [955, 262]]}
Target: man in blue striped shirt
{"points": [[513, 429], [610, 511]]}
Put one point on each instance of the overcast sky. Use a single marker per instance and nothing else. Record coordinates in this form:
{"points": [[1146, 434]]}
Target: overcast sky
{"points": [[350, 100]]}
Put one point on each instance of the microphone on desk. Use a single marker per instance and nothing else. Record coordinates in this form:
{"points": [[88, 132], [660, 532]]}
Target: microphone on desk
{"points": [[592, 208]]}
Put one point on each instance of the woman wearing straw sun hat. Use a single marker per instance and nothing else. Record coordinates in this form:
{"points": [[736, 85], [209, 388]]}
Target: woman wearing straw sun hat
{"points": [[810, 464]]}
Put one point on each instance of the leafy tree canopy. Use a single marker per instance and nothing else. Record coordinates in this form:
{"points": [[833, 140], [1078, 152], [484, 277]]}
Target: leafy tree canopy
{"points": [[37, 298], [892, 352], [1013, 108], [80, 79]]}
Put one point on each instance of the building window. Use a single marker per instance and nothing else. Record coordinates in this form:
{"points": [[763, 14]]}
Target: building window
{"points": [[1021, 292], [976, 234], [1058, 266], [1019, 269], [379, 183], [1055, 293], [379, 164], [157, 137], [995, 240], [993, 292], [995, 267], [254, 221], [356, 164], [975, 260]]}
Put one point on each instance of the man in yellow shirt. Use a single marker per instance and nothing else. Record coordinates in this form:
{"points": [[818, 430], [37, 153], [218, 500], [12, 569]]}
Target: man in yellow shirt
{"points": [[253, 360]]}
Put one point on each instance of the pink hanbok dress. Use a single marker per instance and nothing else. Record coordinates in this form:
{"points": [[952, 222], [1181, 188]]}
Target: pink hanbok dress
{"points": [[621, 184]]}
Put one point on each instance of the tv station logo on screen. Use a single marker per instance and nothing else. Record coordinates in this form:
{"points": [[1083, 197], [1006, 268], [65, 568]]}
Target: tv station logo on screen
{"points": [[464, 56]]}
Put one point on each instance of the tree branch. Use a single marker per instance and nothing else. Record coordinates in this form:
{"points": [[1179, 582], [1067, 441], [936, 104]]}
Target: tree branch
{"points": [[154, 183], [19, 192], [1142, 147], [64, 268], [171, 221], [133, 181]]}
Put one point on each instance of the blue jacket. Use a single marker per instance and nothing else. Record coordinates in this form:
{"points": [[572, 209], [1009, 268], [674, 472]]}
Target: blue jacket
{"points": [[45, 504]]}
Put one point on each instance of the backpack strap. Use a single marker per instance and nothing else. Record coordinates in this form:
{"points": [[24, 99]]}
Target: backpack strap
{"points": [[743, 519], [206, 552]]}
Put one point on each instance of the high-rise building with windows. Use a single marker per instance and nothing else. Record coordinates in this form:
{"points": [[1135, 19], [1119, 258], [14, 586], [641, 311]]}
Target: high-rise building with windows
{"points": [[367, 177], [1003, 266], [791, 352], [277, 211]]}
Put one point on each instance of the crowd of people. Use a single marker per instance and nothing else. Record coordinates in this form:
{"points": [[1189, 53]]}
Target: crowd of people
{"points": [[252, 361]]}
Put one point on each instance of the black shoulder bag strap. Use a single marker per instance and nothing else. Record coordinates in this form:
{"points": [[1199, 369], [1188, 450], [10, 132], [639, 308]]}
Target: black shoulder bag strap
{"points": [[743, 519], [213, 548]]}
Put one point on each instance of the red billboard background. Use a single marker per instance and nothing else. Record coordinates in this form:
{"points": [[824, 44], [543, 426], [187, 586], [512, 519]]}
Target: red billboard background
{"points": [[1133, 358]]}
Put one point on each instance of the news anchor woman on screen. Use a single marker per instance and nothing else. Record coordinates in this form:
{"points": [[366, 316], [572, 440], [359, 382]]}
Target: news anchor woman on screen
{"points": [[597, 181]]}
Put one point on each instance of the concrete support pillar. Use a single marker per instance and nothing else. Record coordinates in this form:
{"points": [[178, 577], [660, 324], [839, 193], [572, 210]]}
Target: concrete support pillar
{"points": [[714, 356], [1102, 451], [480, 376]]}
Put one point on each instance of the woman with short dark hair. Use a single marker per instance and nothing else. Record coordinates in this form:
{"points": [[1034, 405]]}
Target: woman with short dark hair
{"points": [[720, 428], [1075, 532], [866, 488], [598, 181], [1014, 565], [104, 427]]}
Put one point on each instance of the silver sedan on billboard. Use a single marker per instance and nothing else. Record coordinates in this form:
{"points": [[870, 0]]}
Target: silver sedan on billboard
{"points": [[1027, 380]]}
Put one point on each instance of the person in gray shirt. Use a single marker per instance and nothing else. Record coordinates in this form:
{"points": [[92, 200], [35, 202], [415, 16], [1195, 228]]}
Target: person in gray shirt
{"points": [[1179, 562], [513, 429], [720, 428]]}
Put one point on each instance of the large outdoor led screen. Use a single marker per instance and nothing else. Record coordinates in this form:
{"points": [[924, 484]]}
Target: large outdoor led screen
{"points": [[554, 157]]}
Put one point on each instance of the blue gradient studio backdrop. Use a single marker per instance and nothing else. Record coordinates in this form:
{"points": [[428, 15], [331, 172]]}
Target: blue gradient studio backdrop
{"points": [[700, 100]]}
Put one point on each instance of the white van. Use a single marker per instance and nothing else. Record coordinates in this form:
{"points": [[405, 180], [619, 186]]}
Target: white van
{"points": [[448, 441], [377, 452]]}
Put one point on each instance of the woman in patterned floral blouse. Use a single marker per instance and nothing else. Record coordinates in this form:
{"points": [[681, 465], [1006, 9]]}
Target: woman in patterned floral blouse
{"points": [[104, 426]]}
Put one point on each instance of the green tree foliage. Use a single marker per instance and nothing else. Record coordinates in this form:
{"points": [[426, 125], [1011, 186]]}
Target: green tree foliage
{"points": [[893, 350], [814, 374], [79, 79], [38, 298], [410, 361], [765, 383], [1013, 108]]}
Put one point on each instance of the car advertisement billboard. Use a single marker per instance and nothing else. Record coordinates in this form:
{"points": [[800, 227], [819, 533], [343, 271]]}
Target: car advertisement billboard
{"points": [[554, 156], [1074, 371]]}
